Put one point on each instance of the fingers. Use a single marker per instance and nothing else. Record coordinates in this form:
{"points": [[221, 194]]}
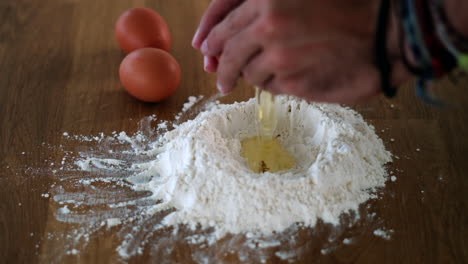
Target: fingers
{"points": [[356, 87], [237, 53], [274, 62], [210, 63], [348, 89], [215, 13], [258, 72], [236, 21], [289, 86]]}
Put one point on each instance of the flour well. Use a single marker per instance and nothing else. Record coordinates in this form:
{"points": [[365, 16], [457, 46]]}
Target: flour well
{"points": [[194, 178], [199, 171]]}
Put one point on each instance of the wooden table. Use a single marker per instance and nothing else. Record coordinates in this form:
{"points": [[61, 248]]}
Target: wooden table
{"points": [[58, 67]]}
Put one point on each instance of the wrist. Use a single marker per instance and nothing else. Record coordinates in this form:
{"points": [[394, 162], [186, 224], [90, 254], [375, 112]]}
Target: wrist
{"points": [[396, 47], [456, 13]]}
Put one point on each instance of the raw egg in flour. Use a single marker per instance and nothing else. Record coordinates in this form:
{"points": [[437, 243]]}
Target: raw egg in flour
{"points": [[150, 75], [140, 28]]}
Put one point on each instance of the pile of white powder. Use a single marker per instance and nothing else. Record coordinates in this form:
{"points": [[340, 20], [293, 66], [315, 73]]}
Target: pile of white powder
{"points": [[199, 171], [196, 172]]}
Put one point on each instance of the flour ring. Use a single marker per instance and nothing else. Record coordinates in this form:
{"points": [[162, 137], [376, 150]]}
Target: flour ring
{"points": [[340, 160]]}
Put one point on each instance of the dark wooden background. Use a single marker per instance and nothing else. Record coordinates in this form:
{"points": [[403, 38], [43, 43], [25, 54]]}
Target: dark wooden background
{"points": [[58, 72]]}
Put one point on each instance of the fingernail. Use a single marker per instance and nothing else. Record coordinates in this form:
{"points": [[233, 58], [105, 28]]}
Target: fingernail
{"points": [[220, 88], [204, 47], [206, 61], [195, 37]]}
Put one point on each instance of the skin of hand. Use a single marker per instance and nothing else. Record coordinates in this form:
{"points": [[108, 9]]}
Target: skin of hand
{"points": [[320, 50], [456, 10]]}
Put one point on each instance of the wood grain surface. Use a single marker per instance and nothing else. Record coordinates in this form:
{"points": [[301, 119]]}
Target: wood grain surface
{"points": [[59, 72]]}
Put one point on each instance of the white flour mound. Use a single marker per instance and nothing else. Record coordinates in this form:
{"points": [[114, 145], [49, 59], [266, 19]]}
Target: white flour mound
{"points": [[198, 169]]}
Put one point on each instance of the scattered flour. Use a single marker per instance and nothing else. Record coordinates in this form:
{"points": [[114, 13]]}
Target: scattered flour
{"points": [[195, 177], [285, 255], [64, 210], [387, 235], [192, 100], [111, 222], [72, 252]]}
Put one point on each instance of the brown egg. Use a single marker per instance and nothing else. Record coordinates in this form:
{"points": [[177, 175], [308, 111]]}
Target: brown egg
{"points": [[140, 28], [150, 75]]}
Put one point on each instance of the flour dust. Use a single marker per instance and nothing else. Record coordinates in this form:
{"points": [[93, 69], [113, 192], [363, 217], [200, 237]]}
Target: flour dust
{"points": [[183, 188]]}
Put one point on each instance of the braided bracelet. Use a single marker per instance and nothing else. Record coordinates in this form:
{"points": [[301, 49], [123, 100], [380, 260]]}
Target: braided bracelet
{"points": [[431, 42], [382, 61], [455, 43]]}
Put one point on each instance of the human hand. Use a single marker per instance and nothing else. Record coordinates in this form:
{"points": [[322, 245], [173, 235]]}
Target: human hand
{"points": [[321, 50], [216, 12]]}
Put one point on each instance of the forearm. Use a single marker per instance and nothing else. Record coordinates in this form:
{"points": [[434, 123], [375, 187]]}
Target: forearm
{"points": [[457, 11]]}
